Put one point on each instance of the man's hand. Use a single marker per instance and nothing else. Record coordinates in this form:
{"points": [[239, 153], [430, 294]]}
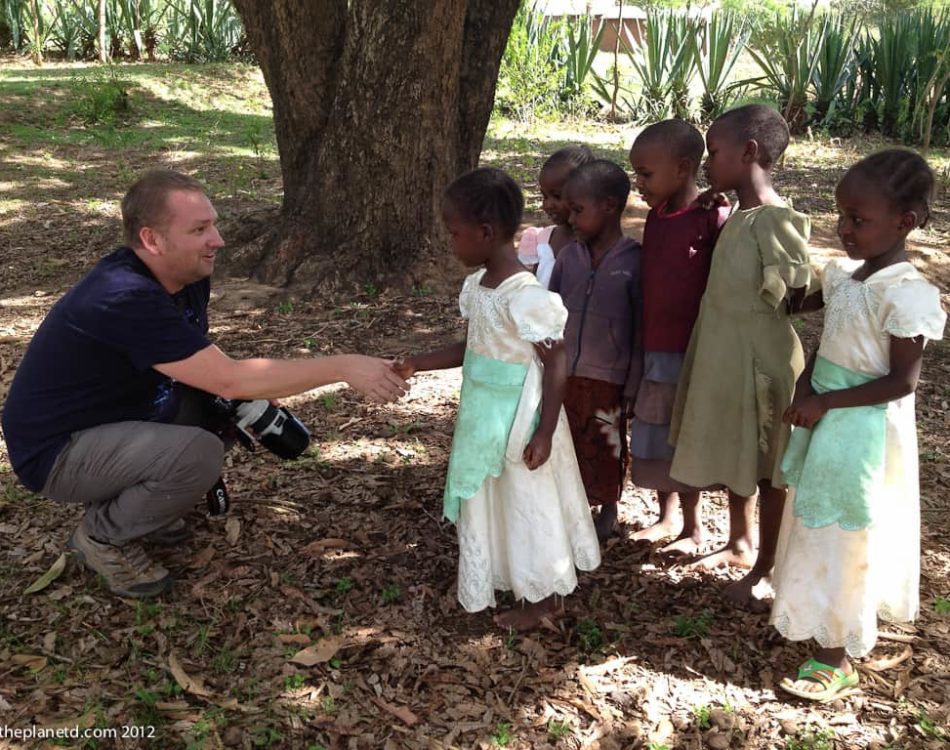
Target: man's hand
{"points": [[538, 450], [375, 378], [805, 412]]}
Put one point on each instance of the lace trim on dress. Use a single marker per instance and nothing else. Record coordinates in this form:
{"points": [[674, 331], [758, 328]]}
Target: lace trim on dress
{"points": [[853, 643]]}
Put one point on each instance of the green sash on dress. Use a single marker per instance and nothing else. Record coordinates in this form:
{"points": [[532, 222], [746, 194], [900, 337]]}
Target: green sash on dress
{"points": [[491, 390], [837, 467]]}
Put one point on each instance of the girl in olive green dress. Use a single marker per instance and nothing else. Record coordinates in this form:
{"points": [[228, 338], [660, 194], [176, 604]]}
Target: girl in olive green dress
{"points": [[744, 356]]}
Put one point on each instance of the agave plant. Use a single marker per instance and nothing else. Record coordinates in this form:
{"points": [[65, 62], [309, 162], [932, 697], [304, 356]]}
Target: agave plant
{"points": [[786, 51], [579, 52], [716, 50], [933, 56], [835, 66], [665, 65], [893, 53], [528, 78], [13, 19], [205, 30]]}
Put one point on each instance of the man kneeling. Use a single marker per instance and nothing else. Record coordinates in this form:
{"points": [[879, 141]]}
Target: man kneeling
{"points": [[106, 408]]}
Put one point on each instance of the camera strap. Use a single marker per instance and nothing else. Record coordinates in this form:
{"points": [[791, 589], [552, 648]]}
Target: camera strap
{"points": [[218, 499]]}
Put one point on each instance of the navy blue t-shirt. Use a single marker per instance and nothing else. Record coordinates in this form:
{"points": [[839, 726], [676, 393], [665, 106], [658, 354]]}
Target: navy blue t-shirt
{"points": [[90, 362]]}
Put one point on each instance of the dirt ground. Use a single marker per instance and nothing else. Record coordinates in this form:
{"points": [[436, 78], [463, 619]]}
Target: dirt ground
{"points": [[322, 612]]}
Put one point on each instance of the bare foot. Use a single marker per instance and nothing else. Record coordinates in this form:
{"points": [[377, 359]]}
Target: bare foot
{"points": [[752, 592], [656, 532], [606, 521], [526, 616], [683, 546], [735, 556]]}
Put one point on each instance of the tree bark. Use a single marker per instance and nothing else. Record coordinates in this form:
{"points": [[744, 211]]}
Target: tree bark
{"points": [[103, 43], [37, 43], [377, 106]]}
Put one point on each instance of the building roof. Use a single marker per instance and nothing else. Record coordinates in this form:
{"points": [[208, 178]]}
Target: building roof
{"points": [[597, 8]]}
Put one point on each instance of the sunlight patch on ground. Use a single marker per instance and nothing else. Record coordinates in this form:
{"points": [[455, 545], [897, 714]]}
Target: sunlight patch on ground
{"points": [[40, 159]]}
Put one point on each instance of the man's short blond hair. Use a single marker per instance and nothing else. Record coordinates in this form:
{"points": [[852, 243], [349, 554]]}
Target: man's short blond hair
{"points": [[146, 203]]}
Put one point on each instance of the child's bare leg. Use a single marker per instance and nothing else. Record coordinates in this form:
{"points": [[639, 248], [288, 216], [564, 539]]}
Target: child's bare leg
{"points": [[666, 524], [525, 616], [738, 551], [693, 532], [771, 508], [663, 528], [606, 521]]}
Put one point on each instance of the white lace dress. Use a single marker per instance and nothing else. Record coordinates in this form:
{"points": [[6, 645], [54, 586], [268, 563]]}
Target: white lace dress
{"points": [[522, 531], [831, 584]]}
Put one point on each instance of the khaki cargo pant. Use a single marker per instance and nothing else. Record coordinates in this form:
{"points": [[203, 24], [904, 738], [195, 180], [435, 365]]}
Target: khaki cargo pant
{"points": [[137, 477]]}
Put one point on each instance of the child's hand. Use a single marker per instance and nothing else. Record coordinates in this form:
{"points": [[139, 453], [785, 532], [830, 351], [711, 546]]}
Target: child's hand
{"points": [[628, 405], [404, 367], [537, 451], [805, 413], [709, 199]]}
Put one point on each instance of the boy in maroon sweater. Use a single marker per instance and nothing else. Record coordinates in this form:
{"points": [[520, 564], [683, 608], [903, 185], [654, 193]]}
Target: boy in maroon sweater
{"points": [[678, 241]]}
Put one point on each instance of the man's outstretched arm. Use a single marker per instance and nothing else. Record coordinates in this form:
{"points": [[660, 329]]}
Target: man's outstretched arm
{"points": [[214, 371]]}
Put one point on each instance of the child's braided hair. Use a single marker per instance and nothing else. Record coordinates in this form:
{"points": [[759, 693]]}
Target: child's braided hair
{"points": [[487, 196], [903, 176]]}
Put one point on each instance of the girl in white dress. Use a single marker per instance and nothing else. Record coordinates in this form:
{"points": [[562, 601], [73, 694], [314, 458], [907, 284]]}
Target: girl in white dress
{"points": [[849, 549], [539, 247], [513, 489]]}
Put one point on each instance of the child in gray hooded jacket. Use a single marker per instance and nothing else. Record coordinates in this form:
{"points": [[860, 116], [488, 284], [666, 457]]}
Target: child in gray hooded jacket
{"points": [[598, 278]]}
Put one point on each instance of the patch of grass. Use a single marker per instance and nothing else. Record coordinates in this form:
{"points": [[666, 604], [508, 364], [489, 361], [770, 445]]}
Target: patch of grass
{"points": [[285, 308], [102, 100], [371, 290], [147, 712], [701, 716], [590, 635], [941, 605], [328, 705], [404, 429], [202, 635], [502, 735], [294, 681], [329, 401], [144, 612], [658, 746], [813, 738], [266, 736], [224, 661], [558, 730], [391, 594], [344, 586], [693, 627], [929, 727]]}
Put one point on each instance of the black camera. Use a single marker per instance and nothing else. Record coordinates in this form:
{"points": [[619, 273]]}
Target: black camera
{"points": [[250, 422], [274, 427]]}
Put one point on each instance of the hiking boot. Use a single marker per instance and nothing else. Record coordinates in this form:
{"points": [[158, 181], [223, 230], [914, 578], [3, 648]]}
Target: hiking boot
{"points": [[169, 536], [127, 570]]}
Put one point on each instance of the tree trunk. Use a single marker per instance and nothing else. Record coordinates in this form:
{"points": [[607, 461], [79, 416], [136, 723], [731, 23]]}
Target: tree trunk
{"points": [[103, 43], [377, 106], [37, 42]]}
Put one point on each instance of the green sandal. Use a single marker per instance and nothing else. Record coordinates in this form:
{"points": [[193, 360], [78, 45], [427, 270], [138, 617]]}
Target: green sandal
{"points": [[835, 682]]}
